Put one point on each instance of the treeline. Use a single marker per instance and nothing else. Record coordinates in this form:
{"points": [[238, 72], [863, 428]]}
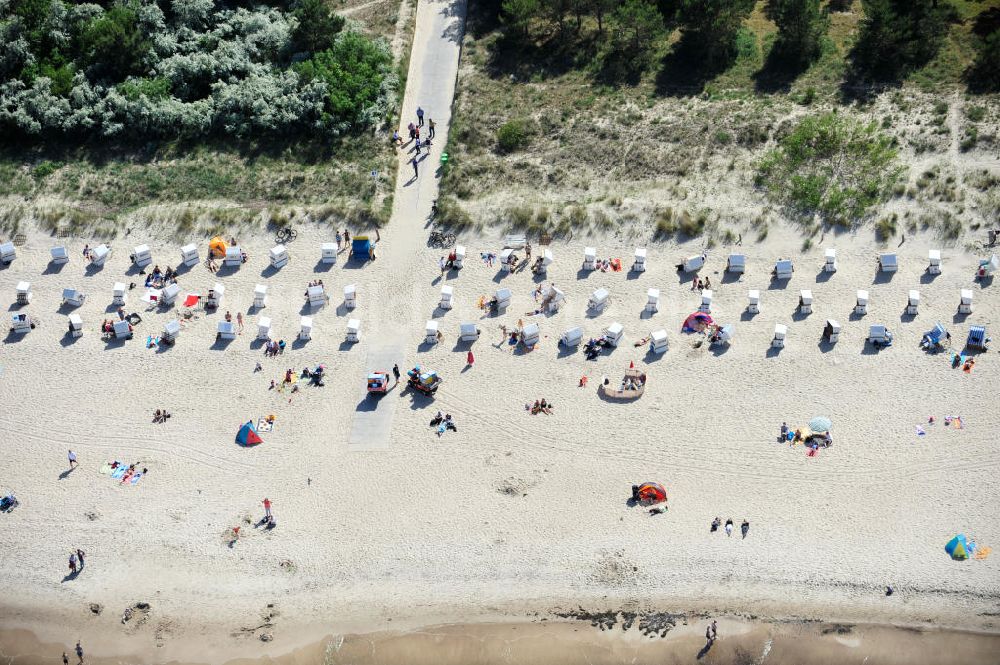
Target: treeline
{"points": [[895, 36], [140, 69]]}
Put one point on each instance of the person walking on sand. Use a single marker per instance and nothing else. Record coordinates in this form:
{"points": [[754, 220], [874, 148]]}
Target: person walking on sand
{"points": [[415, 171], [430, 128], [413, 131], [72, 563], [470, 359], [65, 659], [729, 527], [239, 321], [72, 460], [715, 629], [744, 528], [395, 371], [694, 283], [79, 651], [347, 237], [420, 117], [708, 284], [267, 508], [79, 555], [708, 633]]}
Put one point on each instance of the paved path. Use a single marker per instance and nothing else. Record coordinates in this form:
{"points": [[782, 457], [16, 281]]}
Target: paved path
{"points": [[430, 84]]}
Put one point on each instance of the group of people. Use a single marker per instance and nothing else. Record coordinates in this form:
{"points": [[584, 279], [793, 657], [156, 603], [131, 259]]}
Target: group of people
{"points": [[108, 325], [744, 528], [443, 423], [540, 406], [76, 561], [343, 239], [160, 278], [160, 416], [796, 436], [698, 284], [592, 349], [604, 265], [273, 348]]}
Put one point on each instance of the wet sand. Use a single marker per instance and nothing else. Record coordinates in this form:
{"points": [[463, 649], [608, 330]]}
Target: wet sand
{"points": [[577, 643]]}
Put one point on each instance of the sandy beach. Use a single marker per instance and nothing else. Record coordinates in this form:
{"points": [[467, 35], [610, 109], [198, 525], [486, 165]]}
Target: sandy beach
{"points": [[513, 513]]}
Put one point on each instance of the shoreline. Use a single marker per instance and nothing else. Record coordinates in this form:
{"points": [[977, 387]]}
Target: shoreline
{"points": [[559, 640]]}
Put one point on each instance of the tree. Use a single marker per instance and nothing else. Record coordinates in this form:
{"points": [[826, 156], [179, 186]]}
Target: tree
{"points": [[898, 36], [353, 70], [985, 74], [710, 28], [114, 44], [637, 24], [518, 14], [830, 167], [801, 26], [318, 26]]}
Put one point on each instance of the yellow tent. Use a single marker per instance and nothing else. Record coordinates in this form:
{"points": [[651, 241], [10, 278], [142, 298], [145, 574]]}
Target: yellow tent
{"points": [[217, 247]]}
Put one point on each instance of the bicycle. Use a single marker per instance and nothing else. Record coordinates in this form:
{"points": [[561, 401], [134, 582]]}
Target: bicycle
{"points": [[441, 239], [285, 235]]}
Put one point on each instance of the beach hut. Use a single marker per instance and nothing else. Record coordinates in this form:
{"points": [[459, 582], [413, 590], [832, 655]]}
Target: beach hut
{"points": [[722, 335], [589, 258], [571, 336], [225, 330], [75, 325], [316, 296], [614, 333], [73, 297], [780, 331], [118, 294], [468, 332], [59, 254], [861, 304], [887, 262], [247, 435], [169, 293], [121, 330], [639, 265], [652, 300], [459, 261], [431, 332], [753, 301], [189, 255], [805, 301], [264, 328], [259, 296], [692, 263], [934, 262], [831, 332], [447, 292], [987, 267], [913, 302], [542, 263], [783, 269], [305, 328], [217, 248], [234, 256], [350, 296], [7, 252], [736, 264], [20, 323], [353, 331], [830, 258], [503, 296], [328, 253], [658, 341], [959, 548], [100, 254], [530, 335], [598, 299], [170, 331], [552, 299], [515, 241], [879, 336], [141, 256], [214, 298], [278, 256], [507, 258], [706, 301], [977, 340], [23, 293], [965, 301]]}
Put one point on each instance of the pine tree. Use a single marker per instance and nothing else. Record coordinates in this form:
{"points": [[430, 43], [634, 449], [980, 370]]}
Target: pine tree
{"points": [[801, 26]]}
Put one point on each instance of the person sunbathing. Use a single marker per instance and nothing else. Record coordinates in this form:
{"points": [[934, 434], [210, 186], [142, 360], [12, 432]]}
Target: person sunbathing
{"points": [[644, 340]]}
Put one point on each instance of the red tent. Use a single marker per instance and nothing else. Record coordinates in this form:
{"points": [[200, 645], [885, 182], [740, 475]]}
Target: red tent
{"points": [[649, 493], [247, 436]]}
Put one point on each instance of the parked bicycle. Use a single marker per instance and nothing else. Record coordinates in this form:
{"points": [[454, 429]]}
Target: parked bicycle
{"points": [[442, 239], [285, 235]]}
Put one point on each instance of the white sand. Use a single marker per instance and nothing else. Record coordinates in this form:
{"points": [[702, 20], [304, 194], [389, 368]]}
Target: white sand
{"points": [[422, 527]]}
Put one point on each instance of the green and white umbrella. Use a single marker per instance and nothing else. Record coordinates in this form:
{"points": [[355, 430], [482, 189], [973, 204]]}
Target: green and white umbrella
{"points": [[820, 424]]}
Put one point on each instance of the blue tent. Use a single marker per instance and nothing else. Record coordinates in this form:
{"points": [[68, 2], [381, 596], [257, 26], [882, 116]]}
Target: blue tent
{"points": [[247, 436], [959, 548], [977, 338], [361, 247]]}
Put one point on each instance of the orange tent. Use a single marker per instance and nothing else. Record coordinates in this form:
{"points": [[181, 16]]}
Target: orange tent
{"points": [[217, 247], [649, 493]]}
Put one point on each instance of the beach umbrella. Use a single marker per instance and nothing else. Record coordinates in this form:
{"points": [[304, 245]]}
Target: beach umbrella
{"points": [[820, 424]]}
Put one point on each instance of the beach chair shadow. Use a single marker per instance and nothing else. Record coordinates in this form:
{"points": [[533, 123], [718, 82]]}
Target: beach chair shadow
{"points": [[225, 270], [583, 273], [869, 349], [257, 344], [425, 346], [133, 269], [823, 276], [92, 269], [53, 268], [463, 345], [114, 343], [776, 284], [747, 316], [825, 346], [68, 340], [883, 277], [566, 351], [959, 317], [730, 277], [646, 314], [773, 352], [183, 268], [799, 315], [927, 277], [323, 267], [299, 343], [221, 344], [368, 404], [269, 271], [652, 357], [904, 317], [346, 346]]}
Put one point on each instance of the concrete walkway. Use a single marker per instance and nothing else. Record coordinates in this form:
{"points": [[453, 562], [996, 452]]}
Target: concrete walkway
{"points": [[430, 84]]}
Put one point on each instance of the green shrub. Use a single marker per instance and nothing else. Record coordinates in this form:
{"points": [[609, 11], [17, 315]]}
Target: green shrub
{"points": [[513, 135], [885, 228], [45, 169], [975, 113]]}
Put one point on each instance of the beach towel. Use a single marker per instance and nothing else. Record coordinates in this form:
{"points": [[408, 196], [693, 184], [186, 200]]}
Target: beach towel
{"points": [[191, 300], [264, 426], [119, 473], [135, 478], [957, 422], [920, 431], [982, 552]]}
